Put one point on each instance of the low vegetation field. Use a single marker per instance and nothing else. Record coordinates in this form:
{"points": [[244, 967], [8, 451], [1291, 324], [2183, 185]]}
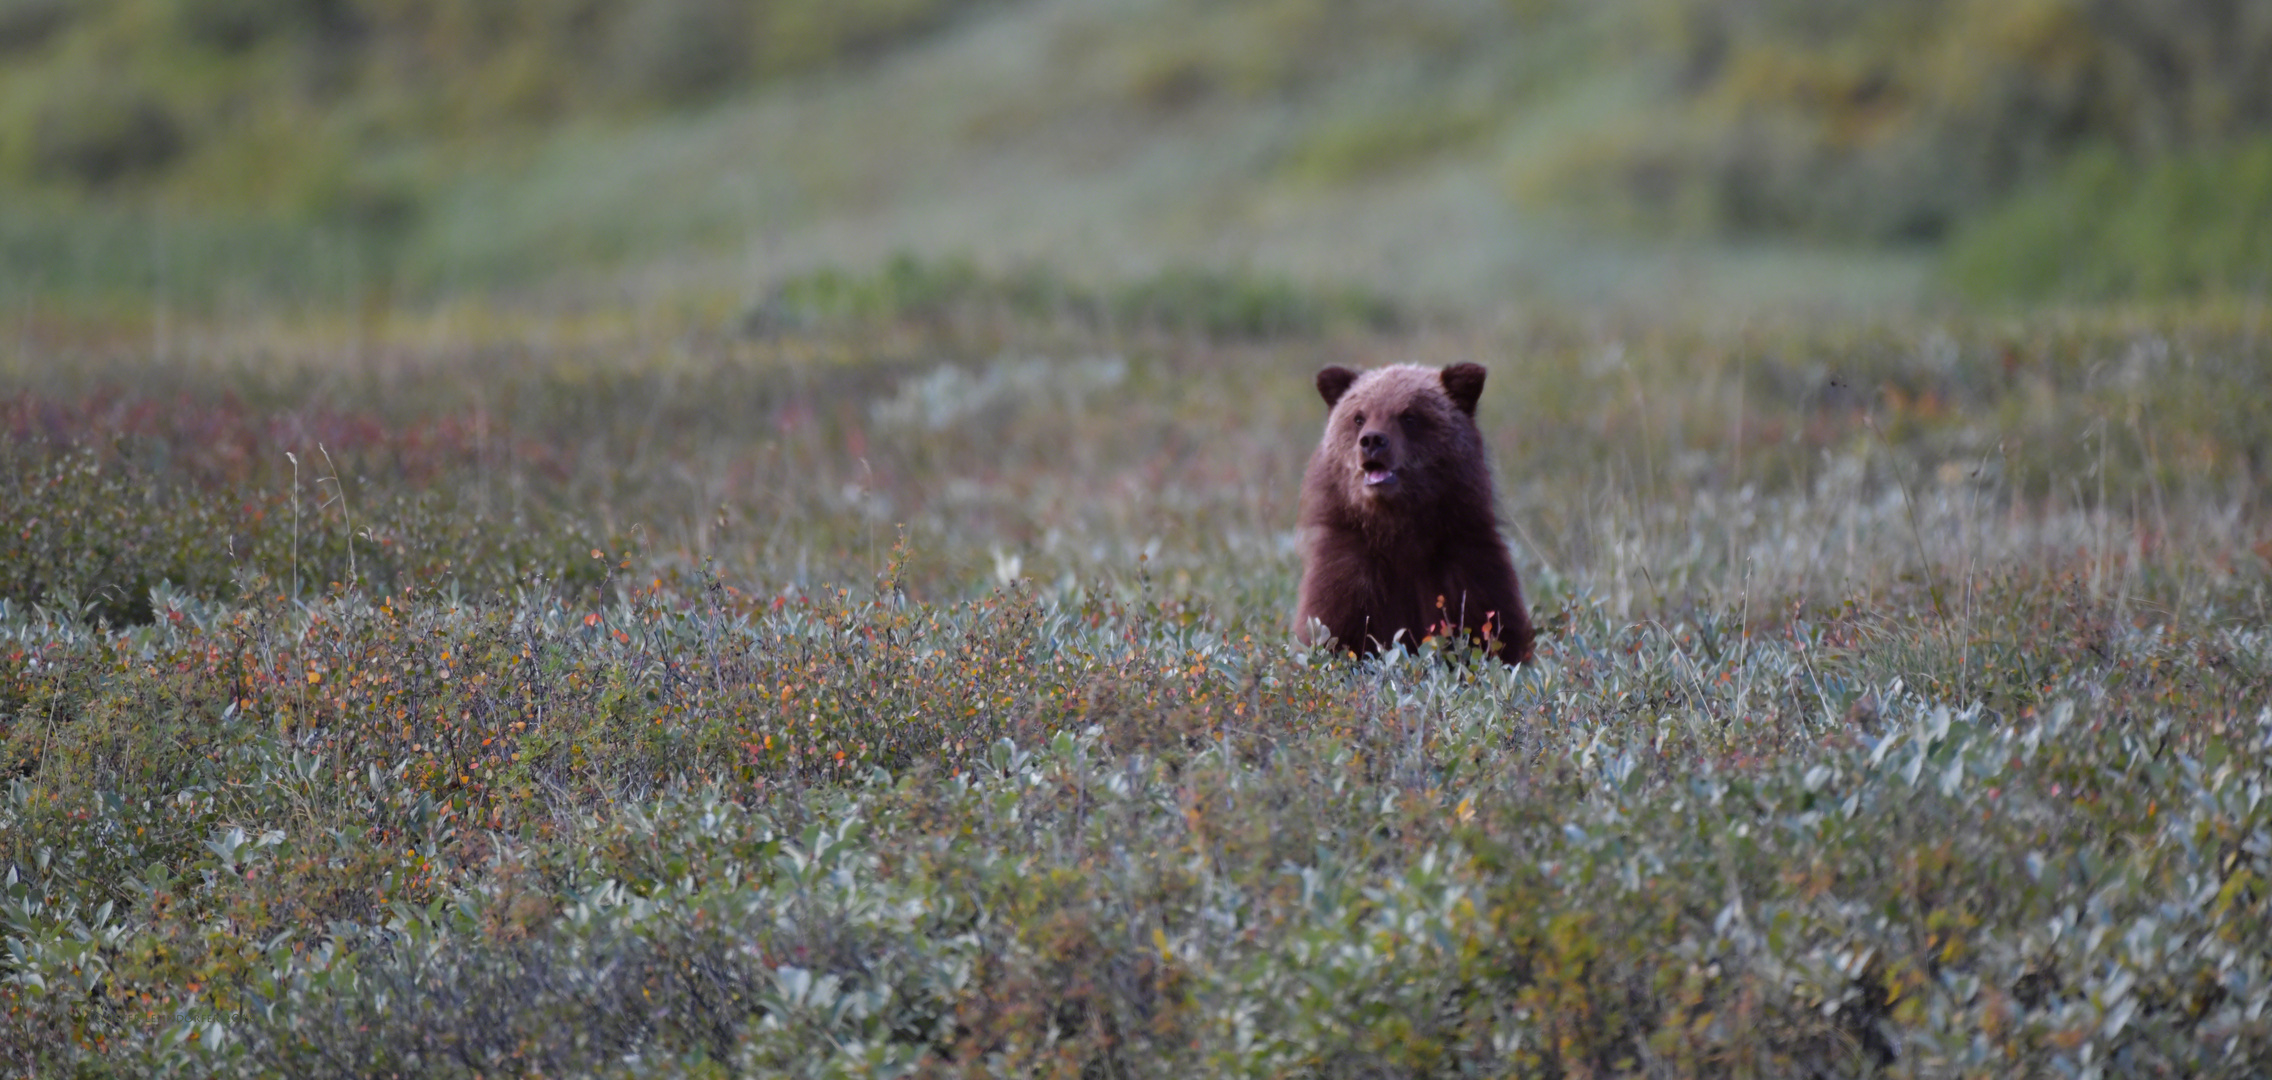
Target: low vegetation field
{"points": [[896, 678]]}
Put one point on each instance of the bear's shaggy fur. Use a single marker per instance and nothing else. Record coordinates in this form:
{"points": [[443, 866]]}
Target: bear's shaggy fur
{"points": [[1399, 522]]}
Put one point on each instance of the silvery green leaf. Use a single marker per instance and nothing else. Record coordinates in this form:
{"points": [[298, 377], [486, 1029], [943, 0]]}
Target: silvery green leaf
{"points": [[2118, 1017]]}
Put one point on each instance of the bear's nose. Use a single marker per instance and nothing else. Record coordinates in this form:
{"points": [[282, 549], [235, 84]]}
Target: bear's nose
{"points": [[1372, 442]]}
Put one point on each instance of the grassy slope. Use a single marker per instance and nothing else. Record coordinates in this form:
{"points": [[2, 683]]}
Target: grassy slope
{"points": [[1332, 142], [1026, 137]]}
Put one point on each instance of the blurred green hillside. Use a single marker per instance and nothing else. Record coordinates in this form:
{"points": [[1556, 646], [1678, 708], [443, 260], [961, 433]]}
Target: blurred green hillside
{"points": [[2097, 147], [197, 146], [251, 152], [244, 103]]}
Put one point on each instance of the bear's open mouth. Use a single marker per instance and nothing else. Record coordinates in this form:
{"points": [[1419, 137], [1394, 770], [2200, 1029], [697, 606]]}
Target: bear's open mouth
{"points": [[1377, 477]]}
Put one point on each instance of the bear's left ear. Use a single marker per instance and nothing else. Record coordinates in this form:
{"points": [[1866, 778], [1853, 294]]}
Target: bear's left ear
{"points": [[1464, 383], [1333, 382]]}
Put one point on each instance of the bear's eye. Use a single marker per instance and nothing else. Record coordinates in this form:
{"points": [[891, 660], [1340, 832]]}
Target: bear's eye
{"points": [[1357, 419], [1412, 421]]}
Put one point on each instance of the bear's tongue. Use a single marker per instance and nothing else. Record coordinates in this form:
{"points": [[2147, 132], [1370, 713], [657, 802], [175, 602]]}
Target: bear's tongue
{"points": [[1378, 476]]}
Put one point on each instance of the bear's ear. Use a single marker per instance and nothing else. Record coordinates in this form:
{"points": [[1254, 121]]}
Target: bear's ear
{"points": [[1464, 383], [1334, 382]]}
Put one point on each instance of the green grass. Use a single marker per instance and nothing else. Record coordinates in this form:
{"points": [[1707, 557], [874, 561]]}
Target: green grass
{"points": [[441, 153], [1213, 304], [2196, 224], [536, 586], [115, 261], [202, 154], [1366, 147], [614, 694]]}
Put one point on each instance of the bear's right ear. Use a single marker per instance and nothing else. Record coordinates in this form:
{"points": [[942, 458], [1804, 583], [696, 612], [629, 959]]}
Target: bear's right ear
{"points": [[1334, 382], [1463, 383]]}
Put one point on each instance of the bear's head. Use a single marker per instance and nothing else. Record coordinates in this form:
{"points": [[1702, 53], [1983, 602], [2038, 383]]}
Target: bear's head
{"points": [[1404, 434]]}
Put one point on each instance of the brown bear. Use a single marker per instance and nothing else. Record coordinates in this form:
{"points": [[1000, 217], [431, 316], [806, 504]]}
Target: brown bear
{"points": [[1399, 522]]}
